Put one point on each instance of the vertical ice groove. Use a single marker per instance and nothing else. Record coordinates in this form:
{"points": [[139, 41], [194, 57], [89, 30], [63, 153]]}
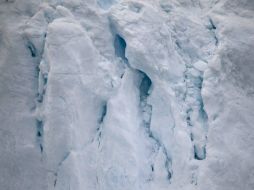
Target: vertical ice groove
{"points": [[39, 135], [195, 64], [146, 109], [59, 167], [100, 123], [41, 73], [39, 122], [196, 116], [168, 160], [41, 90], [103, 113], [212, 27], [32, 49], [42, 85], [120, 46]]}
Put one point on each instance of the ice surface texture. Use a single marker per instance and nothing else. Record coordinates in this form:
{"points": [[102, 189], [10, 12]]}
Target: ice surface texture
{"points": [[126, 94]]}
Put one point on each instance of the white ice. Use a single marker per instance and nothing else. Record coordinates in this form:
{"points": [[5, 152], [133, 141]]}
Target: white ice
{"points": [[126, 94]]}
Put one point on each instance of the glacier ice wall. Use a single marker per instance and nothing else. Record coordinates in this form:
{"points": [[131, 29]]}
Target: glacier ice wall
{"points": [[126, 94]]}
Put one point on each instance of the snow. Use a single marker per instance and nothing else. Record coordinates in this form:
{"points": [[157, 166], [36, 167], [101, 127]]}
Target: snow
{"points": [[126, 94]]}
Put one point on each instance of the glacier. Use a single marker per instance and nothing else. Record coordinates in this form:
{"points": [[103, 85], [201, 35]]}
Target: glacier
{"points": [[126, 94]]}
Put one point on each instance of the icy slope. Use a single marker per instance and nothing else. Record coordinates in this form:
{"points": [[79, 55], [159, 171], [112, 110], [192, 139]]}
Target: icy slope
{"points": [[126, 95]]}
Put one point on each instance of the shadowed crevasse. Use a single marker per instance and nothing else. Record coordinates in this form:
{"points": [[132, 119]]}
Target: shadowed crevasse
{"points": [[120, 46], [146, 109]]}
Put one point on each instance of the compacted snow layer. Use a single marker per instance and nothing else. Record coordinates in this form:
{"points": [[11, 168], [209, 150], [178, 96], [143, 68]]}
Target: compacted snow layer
{"points": [[126, 94]]}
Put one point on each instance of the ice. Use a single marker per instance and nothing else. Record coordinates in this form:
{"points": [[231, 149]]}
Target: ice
{"points": [[126, 94]]}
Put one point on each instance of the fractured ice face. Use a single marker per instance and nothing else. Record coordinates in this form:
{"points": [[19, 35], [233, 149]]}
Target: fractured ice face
{"points": [[126, 94]]}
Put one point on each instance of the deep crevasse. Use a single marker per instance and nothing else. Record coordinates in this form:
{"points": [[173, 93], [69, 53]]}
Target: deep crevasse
{"points": [[120, 95]]}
